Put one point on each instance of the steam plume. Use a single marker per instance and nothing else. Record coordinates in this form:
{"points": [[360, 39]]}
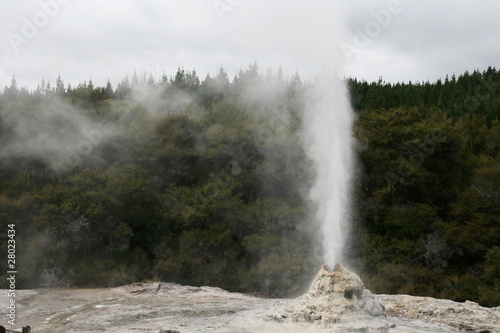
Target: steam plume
{"points": [[329, 142]]}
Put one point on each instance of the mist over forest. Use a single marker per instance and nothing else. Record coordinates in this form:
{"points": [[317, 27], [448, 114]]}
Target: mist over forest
{"points": [[206, 181]]}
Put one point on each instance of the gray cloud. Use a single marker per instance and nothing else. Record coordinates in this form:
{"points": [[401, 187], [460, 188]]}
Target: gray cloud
{"points": [[104, 39], [428, 40]]}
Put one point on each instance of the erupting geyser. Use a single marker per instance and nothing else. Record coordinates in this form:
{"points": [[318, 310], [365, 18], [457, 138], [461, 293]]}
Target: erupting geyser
{"points": [[328, 133]]}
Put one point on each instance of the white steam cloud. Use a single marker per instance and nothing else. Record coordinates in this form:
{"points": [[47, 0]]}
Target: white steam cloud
{"points": [[56, 132]]}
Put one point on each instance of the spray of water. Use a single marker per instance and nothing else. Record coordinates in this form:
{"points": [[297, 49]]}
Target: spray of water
{"points": [[329, 140]]}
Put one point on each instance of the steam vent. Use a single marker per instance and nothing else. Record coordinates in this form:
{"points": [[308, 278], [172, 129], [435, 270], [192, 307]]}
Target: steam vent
{"points": [[334, 297]]}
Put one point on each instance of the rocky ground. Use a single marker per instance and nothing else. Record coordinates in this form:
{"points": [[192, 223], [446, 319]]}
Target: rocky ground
{"points": [[337, 302]]}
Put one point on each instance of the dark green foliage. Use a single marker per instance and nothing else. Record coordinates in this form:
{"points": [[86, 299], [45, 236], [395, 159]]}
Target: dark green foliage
{"points": [[428, 197], [205, 182]]}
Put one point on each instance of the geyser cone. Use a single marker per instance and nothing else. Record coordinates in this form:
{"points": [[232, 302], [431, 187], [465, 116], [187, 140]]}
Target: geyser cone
{"points": [[334, 295], [339, 292], [337, 283]]}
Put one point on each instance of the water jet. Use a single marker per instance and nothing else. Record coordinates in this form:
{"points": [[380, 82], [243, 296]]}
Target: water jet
{"points": [[328, 134]]}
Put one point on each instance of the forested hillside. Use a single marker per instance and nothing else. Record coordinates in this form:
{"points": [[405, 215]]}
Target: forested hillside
{"points": [[428, 199], [205, 182]]}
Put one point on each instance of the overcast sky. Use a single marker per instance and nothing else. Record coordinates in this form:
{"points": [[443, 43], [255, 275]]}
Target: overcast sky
{"points": [[400, 40]]}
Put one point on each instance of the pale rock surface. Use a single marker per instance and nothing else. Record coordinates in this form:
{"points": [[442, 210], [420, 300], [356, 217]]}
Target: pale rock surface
{"points": [[336, 302], [448, 315]]}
